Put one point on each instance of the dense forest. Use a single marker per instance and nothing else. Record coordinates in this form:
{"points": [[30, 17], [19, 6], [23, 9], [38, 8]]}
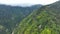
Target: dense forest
{"points": [[36, 19], [10, 16], [45, 20]]}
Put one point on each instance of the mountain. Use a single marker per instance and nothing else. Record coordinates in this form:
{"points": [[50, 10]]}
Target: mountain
{"points": [[10, 16], [45, 20]]}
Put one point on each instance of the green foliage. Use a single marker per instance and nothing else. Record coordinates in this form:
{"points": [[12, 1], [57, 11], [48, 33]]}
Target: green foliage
{"points": [[46, 31], [42, 21], [10, 16], [45, 20]]}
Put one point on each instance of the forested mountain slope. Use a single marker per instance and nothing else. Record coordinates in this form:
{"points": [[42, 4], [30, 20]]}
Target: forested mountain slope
{"points": [[10, 16], [45, 20]]}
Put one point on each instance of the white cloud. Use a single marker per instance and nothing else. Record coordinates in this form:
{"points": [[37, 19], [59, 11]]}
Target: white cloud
{"points": [[13, 2]]}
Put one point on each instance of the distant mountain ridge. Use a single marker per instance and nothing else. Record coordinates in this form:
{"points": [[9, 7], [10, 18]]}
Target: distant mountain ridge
{"points": [[21, 5]]}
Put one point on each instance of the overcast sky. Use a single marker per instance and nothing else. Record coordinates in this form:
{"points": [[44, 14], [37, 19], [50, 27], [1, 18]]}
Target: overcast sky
{"points": [[17, 2]]}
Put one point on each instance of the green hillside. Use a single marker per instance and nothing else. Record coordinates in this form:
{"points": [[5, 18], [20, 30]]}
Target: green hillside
{"points": [[10, 16], [45, 20]]}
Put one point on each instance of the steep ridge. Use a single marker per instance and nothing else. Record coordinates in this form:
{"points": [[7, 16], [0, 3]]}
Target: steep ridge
{"points": [[45, 20]]}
